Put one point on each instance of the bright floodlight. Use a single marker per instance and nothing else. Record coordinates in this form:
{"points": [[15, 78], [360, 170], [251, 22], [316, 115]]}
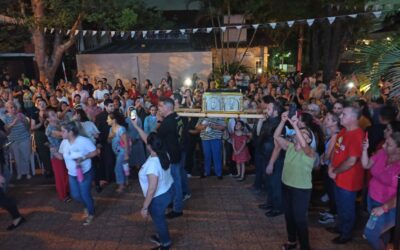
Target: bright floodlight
{"points": [[350, 85], [259, 70], [188, 82]]}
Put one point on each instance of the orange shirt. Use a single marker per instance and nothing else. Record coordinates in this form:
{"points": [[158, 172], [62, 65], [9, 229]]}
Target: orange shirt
{"points": [[349, 143]]}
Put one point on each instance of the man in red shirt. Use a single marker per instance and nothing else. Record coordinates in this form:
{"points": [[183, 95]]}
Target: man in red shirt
{"points": [[346, 170]]}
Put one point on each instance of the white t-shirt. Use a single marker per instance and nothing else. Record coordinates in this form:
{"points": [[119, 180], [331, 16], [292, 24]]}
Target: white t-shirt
{"points": [[81, 147], [153, 166], [99, 94], [63, 99]]}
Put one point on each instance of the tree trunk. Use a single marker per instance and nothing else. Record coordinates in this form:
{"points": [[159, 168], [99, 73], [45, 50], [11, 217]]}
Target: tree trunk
{"points": [[300, 48], [315, 49], [48, 64], [327, 41]]}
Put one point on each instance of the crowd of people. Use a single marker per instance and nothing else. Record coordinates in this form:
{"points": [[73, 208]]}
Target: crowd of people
{"points": [[94, 132]]}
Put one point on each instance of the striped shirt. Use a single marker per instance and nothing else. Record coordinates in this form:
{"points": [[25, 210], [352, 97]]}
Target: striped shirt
{"points": [[210, 133], [19, 132]]}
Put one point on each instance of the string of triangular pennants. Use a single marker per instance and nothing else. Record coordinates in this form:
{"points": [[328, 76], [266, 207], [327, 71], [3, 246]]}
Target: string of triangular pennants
{"points": [[273, 25]]}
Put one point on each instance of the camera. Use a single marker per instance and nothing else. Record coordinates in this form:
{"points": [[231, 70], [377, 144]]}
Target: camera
{"points": [[292, 110], [133, 114]]}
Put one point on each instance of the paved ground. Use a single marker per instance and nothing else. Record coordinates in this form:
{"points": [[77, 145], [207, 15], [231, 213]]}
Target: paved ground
{"points": [[220, 215]]}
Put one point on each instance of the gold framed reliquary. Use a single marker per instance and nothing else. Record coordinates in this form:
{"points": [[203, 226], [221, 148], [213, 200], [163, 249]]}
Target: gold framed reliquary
{"points": [[227, 102]]}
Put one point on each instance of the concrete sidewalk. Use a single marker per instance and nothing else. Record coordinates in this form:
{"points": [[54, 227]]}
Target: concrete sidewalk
{"points": [[220, 215]]}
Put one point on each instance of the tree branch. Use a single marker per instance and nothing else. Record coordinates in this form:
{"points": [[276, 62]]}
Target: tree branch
{"points": [[71, 39]]}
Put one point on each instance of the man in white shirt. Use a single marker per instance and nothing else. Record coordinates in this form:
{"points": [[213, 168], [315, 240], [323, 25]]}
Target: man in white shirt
{"points": [[79, 91], [98, 94], [60, 97]]}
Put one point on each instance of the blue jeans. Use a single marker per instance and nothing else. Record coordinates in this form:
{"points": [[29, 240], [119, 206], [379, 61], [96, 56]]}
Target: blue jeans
{"points": [[346, 211], [81, 191], [184, 178], [119, 170], [157, 209], [212, 150], [377, 236], [178, 197]]}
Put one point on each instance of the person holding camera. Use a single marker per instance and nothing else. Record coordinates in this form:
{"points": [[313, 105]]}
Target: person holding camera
{"points": [[297, 180], [385, 167]]}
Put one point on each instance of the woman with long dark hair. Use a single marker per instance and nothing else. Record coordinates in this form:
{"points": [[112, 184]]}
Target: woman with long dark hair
{"points": [[119, 142], [119, 87], [297, 180], [156, 183]]}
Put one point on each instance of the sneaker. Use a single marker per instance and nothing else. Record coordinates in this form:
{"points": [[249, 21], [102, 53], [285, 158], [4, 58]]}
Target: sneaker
{"points": [[19, 177], [324, 198], [323, 212], [85, 213], [88, 220], [173, 214], [154, 239], [28, 176], [68, 200], [186, 197], [327, 218], [189, 176]]}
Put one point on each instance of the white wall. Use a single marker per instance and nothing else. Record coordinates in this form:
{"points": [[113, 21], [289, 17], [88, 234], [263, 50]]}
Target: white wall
{"points": [[152, 66]]}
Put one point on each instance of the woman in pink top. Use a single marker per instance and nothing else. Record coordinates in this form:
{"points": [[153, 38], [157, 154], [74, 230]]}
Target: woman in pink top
{"points": [[385, 167]]}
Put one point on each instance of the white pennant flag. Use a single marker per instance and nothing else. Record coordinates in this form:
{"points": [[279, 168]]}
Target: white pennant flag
{"points": [[112, 33], [52, 30], [156, 32], [353, 15], [331, 19], [310, 22], [255, 26], [122, 33], [195, 30], [94, 32], [239, 27], [132, 34], [168, 31], [84, 32], [76, 32], [208, 30], [103, 33], [377, 14], [68, 31], [273, 25], [45, 29], [144, 32], [182, 31], [290, 23], [223, 28]]}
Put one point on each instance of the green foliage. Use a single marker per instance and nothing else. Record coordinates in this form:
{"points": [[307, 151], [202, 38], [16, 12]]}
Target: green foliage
{"points": [[12, 38], [380, 59]]}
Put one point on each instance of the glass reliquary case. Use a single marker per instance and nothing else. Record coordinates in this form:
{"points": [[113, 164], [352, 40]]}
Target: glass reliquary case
{"points": [[222, 102]]}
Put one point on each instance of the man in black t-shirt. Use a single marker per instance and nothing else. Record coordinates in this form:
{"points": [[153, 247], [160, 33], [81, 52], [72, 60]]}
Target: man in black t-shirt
{"points": [[169, 134]]}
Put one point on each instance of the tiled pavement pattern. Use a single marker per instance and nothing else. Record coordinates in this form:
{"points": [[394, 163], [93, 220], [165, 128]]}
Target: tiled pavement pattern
{"points": [[220, 215]]}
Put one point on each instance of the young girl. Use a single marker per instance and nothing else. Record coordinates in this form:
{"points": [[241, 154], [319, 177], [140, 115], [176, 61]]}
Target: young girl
{"points": [[240, 150]]}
